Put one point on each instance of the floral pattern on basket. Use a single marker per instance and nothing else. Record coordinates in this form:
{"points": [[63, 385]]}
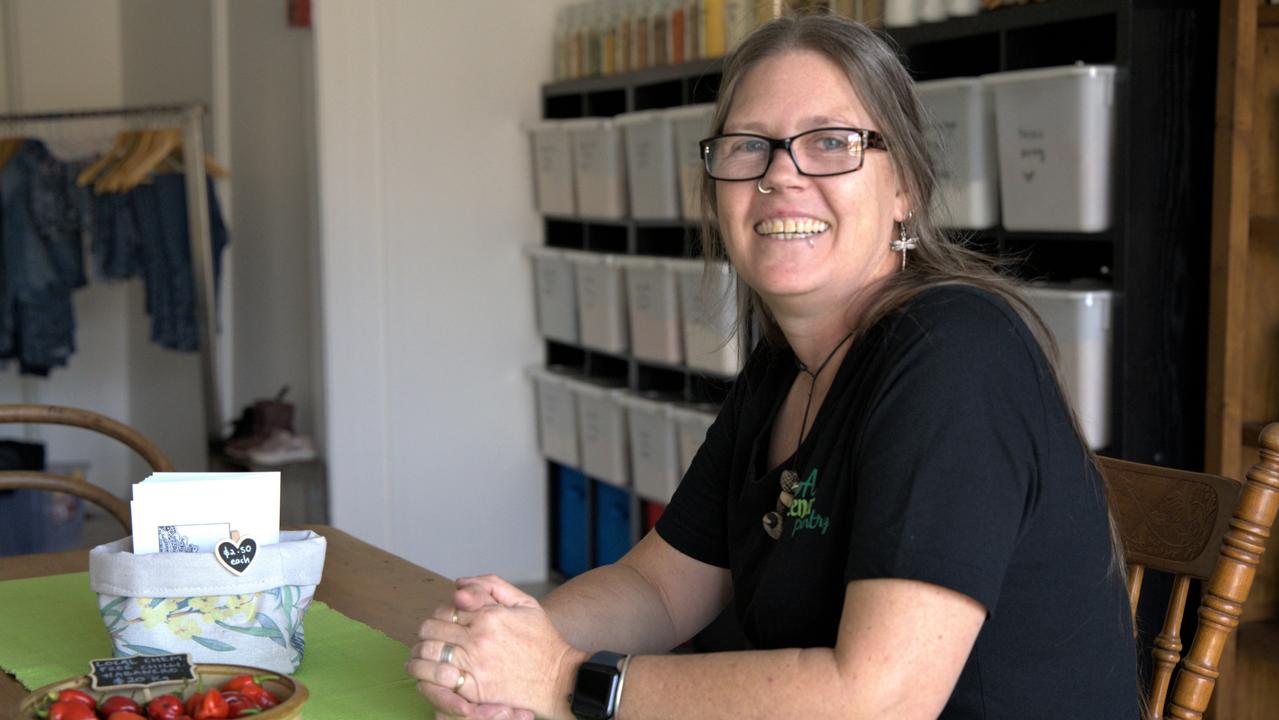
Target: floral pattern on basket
{"points": [[221, 623]]}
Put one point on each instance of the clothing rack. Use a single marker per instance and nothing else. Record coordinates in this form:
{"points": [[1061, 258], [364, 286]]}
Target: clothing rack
{"points": [[191, 118]]}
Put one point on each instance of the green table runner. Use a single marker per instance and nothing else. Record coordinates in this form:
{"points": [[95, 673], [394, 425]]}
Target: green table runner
{"points": [[50, 629]]}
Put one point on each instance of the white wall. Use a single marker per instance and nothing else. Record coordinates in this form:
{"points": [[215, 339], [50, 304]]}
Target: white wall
{"points": [[166, 58], [272, 128], [425, 204]]}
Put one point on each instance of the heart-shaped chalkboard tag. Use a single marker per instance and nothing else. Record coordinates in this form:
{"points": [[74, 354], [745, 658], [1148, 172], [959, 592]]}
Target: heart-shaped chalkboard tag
{"points": [[237, 553]]}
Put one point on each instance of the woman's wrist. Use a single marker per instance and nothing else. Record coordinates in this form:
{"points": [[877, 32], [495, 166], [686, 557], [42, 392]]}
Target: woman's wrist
{"points": [[565, 677]]}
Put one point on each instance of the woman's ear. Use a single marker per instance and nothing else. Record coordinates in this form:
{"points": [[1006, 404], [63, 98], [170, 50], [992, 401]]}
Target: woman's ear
{"points": [[901, 206]]}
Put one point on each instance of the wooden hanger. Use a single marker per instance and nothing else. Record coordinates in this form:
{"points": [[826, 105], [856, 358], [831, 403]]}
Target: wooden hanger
{"points": [[123, 141], [212, 167], [164, 142], [111, 179]]}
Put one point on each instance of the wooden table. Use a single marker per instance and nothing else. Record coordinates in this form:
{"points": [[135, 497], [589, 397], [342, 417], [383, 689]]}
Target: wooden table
{"points": [[361, 581]]}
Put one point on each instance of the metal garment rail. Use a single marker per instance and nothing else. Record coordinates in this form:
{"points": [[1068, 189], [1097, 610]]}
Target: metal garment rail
{"points": [[191, 116]]}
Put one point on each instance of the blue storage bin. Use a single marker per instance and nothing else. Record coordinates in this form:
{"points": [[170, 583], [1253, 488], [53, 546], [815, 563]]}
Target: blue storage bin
{"points": [[572, 522], [612, 523]]}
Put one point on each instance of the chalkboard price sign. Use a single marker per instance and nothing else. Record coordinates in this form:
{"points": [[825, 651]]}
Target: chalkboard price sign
{"points": [[140, 670]]}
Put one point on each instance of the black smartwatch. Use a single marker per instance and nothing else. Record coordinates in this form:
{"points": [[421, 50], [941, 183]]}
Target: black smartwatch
{"points": [[599, 686]]}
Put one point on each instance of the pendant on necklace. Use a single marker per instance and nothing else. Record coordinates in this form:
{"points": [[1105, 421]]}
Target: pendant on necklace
{"points": [[773, 525], [790, 481]]}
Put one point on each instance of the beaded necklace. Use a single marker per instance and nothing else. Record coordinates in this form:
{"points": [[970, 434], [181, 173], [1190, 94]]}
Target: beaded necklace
{"points": [[790, 478]]}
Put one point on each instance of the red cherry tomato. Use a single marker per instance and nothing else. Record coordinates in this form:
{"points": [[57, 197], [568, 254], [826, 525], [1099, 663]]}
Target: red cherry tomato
{"points": [[237, 704], [260, 696], [71, 710], [193, 703], [79, 696], [125, 715], [165, 707], [212, 707], [118, 703]]}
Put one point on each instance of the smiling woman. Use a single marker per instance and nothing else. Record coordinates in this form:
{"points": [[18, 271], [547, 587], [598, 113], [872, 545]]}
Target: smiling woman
{"points": [[895, 495]]}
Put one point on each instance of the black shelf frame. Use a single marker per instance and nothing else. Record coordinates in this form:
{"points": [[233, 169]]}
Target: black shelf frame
{"points": [[1155, 255]]}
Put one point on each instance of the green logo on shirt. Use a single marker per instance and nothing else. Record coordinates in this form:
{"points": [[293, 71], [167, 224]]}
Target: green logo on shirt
{"points": [[802, 507]]}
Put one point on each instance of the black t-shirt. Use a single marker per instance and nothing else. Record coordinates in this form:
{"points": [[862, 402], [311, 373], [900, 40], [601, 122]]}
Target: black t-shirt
{"points": [[944, 453]]}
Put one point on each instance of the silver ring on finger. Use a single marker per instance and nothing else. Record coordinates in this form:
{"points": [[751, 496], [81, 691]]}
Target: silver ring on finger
{"points": [[461, 680], [453, 618], [446, 654]]}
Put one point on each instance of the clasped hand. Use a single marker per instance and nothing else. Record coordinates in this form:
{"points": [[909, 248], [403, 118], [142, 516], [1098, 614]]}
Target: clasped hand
{"points": [[506, 658]]}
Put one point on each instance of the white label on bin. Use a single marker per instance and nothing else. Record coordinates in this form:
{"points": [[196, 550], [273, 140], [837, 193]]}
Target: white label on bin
{"points": [[1032, 151], [643, 158], [548, 158], [592, 289], [548, 281], [644, 295], [590, 148]]}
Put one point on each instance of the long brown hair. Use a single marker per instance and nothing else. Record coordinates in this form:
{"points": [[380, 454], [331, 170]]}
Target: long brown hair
{"points": [[887, 91]]}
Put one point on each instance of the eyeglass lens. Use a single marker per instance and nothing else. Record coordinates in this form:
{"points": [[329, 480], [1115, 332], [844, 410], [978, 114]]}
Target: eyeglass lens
{"points": [[825, 151]]}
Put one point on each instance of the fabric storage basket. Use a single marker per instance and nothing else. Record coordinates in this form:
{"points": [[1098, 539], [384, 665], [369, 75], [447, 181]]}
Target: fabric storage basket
{"points": [[599, 168], [963, 128], [555, 284], [1056, 135], [708, 312], [691, 124], [188, 603], [652, 302], [601, 420], [650, 165], [611, 531], [1079, 318], [556, 416], [691, 424], [654, 447], [601, 302], [553, 167]]}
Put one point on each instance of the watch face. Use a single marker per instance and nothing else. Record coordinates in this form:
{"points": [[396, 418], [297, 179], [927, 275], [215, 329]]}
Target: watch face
{"points": [[595, 691]]}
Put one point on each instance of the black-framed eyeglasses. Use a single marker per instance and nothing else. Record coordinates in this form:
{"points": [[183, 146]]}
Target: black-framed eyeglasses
{"points": [[817, 153]]}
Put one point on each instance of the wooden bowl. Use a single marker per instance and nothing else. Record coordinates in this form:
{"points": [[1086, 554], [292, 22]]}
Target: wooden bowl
{"points": [[290, 692]]}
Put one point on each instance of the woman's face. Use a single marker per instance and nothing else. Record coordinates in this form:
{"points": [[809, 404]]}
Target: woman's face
{"points": [[851, 215]]}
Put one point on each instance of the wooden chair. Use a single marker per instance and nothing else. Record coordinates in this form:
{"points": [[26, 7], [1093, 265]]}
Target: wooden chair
{"points": [[1194, 525], [53, 415]]}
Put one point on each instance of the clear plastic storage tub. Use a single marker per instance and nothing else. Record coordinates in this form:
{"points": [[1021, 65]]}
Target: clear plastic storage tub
{"points": [[601, 422], [1079, 318], [601, 302], [708, 312], [650, 165], [654, 447], [691, 424], [652, 300], [599, 168], [556, 416], [553, 167], [963, 127], [691, 123], [1056, 142], [555, 283]]}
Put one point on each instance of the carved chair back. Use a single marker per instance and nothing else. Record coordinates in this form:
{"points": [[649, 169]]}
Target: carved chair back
{"points": [[54, 415], [1194, 526]]}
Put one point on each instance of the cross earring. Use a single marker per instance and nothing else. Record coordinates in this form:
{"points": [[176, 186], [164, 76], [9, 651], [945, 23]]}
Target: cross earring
{"points": [[905, 242]]}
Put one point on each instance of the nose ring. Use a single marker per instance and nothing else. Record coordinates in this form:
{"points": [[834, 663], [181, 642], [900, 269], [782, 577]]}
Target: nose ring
{"points": [[759, 185]]}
